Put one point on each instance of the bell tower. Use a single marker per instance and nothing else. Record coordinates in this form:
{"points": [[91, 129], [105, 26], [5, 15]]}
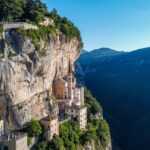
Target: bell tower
{"points": [[70, 81]]}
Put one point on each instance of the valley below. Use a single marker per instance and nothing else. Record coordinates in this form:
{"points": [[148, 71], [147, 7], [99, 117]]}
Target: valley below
{"points": [[120, 81]]}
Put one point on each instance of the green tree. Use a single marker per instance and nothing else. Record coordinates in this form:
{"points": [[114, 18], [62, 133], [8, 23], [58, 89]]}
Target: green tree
{"points": [[92, 104], [43, 145], [71, 146], [56, 144], [57, 19], [70, 133], [35, 10], [1, 29], [34, 128], [103, 132], [11, 9], [90, 134]]}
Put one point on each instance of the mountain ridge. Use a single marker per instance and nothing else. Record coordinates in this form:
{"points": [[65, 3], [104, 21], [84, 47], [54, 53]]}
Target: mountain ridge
{"points": [[121, 82]]}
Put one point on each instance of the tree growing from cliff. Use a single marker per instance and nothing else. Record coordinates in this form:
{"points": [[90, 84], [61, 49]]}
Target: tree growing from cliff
{"points": [[92, 104], [34, 128], [70, 134], [56, 144], [103, 132], [43, 145]]}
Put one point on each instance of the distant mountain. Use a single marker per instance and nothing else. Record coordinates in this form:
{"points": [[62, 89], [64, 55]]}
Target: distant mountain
{"points": [[103, 53], [121, 81], [84, 51]]}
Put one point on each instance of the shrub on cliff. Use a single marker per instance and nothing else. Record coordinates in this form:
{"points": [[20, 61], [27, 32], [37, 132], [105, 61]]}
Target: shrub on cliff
{"points": [[103, 132], [1, 29], [89, 135], [92, 104], [34, 128], [56, 144], [43, 33], [74, 138], [66, 27], [42, 146], [97, 128]]}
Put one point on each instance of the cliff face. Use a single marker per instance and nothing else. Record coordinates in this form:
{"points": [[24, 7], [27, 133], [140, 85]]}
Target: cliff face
{"points": [[26, 79]]}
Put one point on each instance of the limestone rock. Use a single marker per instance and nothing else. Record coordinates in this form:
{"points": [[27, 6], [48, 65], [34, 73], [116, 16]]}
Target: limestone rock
{"points": [[26, 79]]}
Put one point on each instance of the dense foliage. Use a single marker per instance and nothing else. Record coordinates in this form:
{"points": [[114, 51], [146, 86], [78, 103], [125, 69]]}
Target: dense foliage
{"points": [[34, 128], [11, 9], [56, 144], [92, 104], [42, 145], [1, 29], [35, 12], [72, 138], [66, 26], [16, 10], [45, 33], [70, 133]]}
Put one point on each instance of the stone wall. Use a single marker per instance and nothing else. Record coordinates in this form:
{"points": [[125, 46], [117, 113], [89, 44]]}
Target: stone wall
{"points": [[13, 25]]}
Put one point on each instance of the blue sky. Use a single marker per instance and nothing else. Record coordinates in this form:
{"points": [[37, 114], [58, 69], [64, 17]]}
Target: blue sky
{"points": [[117, 24]]}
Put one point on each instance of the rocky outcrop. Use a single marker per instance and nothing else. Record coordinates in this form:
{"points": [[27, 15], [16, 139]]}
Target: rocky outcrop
{"points": [[26, 79]]}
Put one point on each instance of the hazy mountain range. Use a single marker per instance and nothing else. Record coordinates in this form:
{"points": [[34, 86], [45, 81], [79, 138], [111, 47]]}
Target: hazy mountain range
{"points": [[121, 82]]}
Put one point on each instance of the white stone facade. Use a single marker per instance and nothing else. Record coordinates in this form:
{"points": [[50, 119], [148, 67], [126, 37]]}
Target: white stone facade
{"points": [[78, 113], [79, 95], [2, 128]]}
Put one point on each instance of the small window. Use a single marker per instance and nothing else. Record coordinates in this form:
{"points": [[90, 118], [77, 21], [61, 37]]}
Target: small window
{"points": [[5, 148]]}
